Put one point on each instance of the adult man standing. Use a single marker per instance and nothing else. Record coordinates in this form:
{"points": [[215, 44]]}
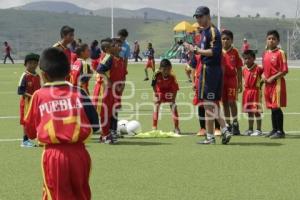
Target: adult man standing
{"points": [[7, 50], [125, 52], [246, 45], [211, 77], [136, 51]]}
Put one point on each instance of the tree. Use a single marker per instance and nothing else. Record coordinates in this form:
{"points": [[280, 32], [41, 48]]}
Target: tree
{"points": [[257, 15], [283, 17], [146, 17], [277, 14], [238, 16]]}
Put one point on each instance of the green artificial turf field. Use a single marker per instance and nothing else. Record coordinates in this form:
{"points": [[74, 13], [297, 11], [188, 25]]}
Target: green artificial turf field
{"points": [[136, 169]]}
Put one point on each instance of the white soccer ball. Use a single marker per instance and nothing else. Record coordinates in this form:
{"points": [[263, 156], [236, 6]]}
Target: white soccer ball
{"points": [[122, 127], [133, 128]]}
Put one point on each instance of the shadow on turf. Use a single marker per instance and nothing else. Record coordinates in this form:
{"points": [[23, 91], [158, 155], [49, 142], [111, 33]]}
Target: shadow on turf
{"points": [[265, 144], [134, 143]]}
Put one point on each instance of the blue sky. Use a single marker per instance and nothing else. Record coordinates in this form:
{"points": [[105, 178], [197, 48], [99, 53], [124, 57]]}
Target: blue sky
{"points": [[266, 8]]}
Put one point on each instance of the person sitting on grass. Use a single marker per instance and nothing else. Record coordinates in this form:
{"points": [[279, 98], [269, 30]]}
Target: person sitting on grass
{"points": [[165, 89]]}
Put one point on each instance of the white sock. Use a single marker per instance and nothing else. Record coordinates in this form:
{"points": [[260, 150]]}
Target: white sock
{"points": [[210, 136]]}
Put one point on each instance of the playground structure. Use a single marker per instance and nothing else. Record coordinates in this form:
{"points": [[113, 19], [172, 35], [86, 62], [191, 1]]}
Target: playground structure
{"points": [[183, 32]]}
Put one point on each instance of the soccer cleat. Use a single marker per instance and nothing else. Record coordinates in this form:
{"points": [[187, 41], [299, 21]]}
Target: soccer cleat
{"points": [[271, 133], [235, 128], [208, 141], [177, 131], [146, 79], [28, 144], [278, 135], [218, 132], [202, 132], [108, 140], [248, 132], [256, 133], [226, 136]]}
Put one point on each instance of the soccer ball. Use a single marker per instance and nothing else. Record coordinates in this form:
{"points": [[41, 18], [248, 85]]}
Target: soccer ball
{"points": [[133, 128], [122, 129]]}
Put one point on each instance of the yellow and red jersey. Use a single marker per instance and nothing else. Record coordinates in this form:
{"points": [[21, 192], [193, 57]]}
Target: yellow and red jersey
{"points": [[231, 62], [29, 83], [80, 72], [59, 113], [165, 84], [274, 61], [66, 50], [252, 77]]}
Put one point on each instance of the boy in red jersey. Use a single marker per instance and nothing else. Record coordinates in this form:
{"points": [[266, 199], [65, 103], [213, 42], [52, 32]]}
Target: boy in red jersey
{"points": [[67, 37], [81, 71], [62, 117], [151, 61], [275, 68], [30, 82], [252, 92], [113, 72], [165, 89], [232, 85]]}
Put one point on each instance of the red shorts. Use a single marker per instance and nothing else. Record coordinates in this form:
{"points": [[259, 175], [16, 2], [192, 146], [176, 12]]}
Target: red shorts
{"points": [[24, 103], [66, 171], [229, 93], [252, 101], [94, 64], [150, 64], [165, 97], [275, 94]]}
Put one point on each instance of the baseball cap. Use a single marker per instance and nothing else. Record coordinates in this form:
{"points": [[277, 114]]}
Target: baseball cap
{"points": [[201, 11]]}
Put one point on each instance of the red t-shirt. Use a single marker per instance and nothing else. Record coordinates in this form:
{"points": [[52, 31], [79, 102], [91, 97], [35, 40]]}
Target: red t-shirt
{"points": [[231, 62], [246, 46], [7, 49], [66, 50], [165, 84], [252, 77], [274, 61], [60, 113], [29, 83], [80, 72]]}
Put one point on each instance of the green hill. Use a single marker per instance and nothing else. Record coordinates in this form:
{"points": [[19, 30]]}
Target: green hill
{"points": [[36, 30]]}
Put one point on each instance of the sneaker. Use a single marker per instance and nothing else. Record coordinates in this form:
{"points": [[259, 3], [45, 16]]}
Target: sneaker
{"points": [[28, 144], [271, 133], [114, 137], [202, 132], [108, 140], [235, 128], [256, 133], [278, 135], [177, 131], [208, 141], [226, 136], [248, 132], [218, 132], [146, 79]]}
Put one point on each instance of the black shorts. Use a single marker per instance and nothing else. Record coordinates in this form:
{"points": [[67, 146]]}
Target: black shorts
{"points": [[210, 83]]}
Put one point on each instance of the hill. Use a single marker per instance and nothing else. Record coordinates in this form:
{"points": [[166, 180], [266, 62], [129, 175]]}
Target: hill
{"points": [[54, 6], [36, 30], [148, 13]]}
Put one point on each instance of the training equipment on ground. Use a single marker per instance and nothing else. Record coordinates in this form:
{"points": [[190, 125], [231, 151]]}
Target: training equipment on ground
{"points": [[133, 128], [122, 124], [158, 134]]}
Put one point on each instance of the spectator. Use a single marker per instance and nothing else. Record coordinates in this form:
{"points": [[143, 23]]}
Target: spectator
{"points": [[246, 46], [136, 51], [7, 50]]}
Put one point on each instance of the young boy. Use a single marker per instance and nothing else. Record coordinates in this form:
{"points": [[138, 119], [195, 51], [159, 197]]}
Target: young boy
{"points": [[67, 37], [81, 71], [29, 83], [252, 92], [275, 68], [165, 89], [7, 49], [62, 118], [232, 85], [113, 72], [151, 61]]}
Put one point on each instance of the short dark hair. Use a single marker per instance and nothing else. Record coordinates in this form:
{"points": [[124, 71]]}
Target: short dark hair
{"points": [[274, 33], [94, 43], [228, 33], [123, 33], [105, 43], [5, 42], [31, 57], [116, 41], [165, 63], [250, 53], [54, 63], [81, 48], [65, 30]]}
